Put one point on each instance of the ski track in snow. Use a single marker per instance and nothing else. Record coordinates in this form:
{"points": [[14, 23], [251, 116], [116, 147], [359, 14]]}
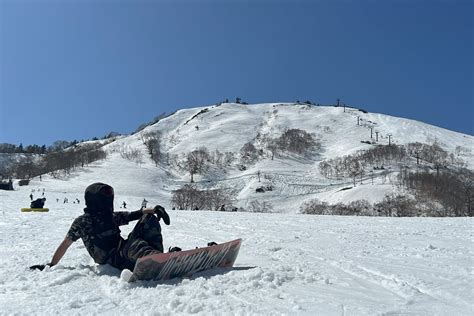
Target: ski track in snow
{"points": [[288, 264]]}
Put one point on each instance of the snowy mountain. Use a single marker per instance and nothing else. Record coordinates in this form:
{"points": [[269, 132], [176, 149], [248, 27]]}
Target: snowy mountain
{"points": [[289, 263], [293, 179]]}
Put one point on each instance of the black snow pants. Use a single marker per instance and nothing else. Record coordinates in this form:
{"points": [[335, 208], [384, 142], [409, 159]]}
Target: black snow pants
{"points": [[145, 239]]}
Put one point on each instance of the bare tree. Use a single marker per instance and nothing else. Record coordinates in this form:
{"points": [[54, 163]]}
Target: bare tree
{"points": [[439, 158], [59, 145], [315, 207], [132, 154], [187, 197], [59, 163], [152, 141], [197, 162], [218, 198], [272, 146], [466, 178], [260, 207], [190, 197], [396, 205], [355, 169], [452, 190], [229, 158], [297, 141], [27, 168], [248, 153]]}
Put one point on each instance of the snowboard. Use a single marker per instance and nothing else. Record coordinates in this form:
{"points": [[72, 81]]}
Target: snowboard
{"points": [[29, 209], [177, 264]]}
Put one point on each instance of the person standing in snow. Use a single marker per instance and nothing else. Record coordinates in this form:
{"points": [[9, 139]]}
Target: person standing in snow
{"points": [[99, 229]]}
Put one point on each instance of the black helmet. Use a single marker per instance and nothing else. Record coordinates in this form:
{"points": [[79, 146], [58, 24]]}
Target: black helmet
{"points": [[99, 197]]}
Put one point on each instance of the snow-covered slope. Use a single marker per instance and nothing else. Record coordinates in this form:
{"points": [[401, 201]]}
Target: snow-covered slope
{"points": [[228, 127], [289, 263], [294, 179]]}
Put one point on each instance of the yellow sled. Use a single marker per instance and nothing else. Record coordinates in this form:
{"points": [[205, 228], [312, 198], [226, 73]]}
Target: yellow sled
{"points": [[29, 209]]}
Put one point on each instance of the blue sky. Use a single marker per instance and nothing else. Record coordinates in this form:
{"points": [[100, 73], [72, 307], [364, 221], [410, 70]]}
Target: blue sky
{"points": [[78, 69]]}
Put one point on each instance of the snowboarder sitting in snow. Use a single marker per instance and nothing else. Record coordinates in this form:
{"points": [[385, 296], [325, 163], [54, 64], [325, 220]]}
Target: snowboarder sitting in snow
{"points": [[99, 229], [38, 203]]}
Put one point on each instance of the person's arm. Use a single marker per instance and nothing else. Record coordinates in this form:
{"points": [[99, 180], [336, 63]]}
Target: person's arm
{"points": [[59, 253], [124, 217]]}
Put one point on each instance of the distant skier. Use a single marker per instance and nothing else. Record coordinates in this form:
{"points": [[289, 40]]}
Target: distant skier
{"points": [[99, 229], [31, 196], [124, 205], [144, 202]]}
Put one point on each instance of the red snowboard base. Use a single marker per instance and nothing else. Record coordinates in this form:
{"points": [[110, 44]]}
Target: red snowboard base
{"points": [[171, 265]]}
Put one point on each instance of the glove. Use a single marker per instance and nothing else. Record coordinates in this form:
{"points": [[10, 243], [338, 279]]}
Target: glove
{"points": [[161, 213], [39, 267], [174, 249]]}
